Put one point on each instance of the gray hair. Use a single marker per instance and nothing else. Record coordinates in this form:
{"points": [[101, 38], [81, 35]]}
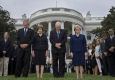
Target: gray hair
{"points": [[58, 22]]}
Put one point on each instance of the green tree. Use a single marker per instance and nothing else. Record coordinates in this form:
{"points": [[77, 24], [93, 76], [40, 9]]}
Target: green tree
{"points": [[107, 23], [6, 23]]}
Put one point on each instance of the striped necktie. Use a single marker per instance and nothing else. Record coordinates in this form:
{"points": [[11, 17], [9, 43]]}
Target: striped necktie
{"points": [[25, 31]]}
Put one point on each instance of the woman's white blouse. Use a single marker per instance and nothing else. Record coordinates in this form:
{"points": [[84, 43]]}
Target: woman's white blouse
{"points": [[97, 50], [90, 52]]}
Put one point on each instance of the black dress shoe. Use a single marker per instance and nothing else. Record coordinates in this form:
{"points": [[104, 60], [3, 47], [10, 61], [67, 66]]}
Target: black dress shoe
{"points": [[113, 75], [56, 76], [61, 76], [17, 76], [25, 76]]}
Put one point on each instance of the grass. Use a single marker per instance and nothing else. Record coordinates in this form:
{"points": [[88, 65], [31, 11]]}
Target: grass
{"points": [[68, 76]]}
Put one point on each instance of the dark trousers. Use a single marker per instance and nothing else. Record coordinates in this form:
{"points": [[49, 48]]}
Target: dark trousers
{"points": [[11, 66], [111, 65], [58, 69], [33, 66], [105, 65], [23, 62]]}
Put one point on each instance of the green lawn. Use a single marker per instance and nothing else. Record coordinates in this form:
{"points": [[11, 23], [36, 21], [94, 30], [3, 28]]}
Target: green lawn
{"points": [[68, 76]]}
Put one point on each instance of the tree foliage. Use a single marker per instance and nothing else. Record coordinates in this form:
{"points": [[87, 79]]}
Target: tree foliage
{"points": [[107, 23], [6, 23]]}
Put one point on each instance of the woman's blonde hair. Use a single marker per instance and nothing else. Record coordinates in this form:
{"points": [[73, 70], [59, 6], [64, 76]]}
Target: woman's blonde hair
{"points": [[39, 27], [98, 40], [77, 27]]}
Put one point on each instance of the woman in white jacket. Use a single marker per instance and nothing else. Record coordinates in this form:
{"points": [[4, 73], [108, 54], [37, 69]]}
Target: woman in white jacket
{"points": [[97, 55]]}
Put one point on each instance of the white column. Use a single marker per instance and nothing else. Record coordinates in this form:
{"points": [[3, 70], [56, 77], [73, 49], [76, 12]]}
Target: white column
{"points": [[81, 30], [62, 25], [73, 28], [49, 29]]}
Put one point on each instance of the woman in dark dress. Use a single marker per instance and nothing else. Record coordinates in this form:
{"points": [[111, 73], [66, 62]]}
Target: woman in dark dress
{"points": [[77, 50], [40, 50], [89, 58], [93, 61]]}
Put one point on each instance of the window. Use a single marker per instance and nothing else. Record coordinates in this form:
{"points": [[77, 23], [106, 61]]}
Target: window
{"points": [[88, 35]]}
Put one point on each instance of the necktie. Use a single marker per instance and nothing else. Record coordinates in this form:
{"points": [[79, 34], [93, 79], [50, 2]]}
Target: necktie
{"points": [[58, 34], [25, 31]]}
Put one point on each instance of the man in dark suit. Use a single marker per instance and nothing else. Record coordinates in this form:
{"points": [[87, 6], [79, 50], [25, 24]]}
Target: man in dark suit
{"points": [[58, 38], [110, 52], [104, 57], [5, 51], [12, 59], [24, 38]]}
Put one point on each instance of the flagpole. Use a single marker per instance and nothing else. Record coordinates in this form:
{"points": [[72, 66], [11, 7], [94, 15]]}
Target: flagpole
{"points": [[56, 3]]}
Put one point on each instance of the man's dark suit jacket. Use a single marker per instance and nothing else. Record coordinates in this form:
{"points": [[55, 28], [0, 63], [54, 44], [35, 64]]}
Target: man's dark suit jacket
{"points": [[108, 44], [21, 39], [5, 46], [14, 52], [102, 47], [62, 39]]}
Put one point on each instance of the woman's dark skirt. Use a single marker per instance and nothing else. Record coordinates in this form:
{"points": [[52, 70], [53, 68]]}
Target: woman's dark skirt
{"points": [[40, 57]]}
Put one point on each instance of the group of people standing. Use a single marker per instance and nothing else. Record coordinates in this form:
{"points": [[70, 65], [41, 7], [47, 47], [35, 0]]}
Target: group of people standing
{"points": [[101, 55], [34, 44]]}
